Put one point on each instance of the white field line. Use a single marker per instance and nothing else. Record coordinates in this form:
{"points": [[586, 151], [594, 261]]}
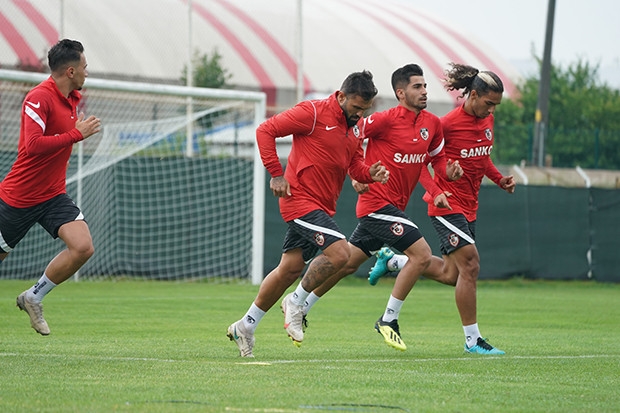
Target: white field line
{"points": [[271, 362]]}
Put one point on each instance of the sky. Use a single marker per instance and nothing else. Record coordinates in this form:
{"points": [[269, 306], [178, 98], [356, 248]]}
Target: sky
{"points": [[515, 29]]}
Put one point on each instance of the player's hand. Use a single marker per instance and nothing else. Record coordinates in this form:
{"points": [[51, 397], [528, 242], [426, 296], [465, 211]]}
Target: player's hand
{"points": [[454, 170], [378, 173], [508, 184], [280, 187], [441, 200], [359, 187], [88, 126]]}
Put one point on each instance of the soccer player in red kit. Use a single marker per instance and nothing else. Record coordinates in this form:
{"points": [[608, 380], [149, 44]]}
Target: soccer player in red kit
{"points": [[468, 132], [325, 147], [404, 138], [34, 191]]}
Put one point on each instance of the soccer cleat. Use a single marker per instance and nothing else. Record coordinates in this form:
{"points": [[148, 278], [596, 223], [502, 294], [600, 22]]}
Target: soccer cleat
{"points": [[293, 320], [380, 268], [35, 311], [238, 334], [482, 347], [390, 333]]}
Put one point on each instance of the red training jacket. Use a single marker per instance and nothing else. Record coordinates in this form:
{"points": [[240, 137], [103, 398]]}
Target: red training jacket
{"points": [[324, 149], [403, 141], [469, 140], [45, 141]]}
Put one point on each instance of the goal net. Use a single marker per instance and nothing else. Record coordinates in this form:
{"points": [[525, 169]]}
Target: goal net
{"points": [[171, 188]]}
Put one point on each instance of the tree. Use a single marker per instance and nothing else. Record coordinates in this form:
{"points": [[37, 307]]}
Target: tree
{"points": [[207, 71], [584, 120]]}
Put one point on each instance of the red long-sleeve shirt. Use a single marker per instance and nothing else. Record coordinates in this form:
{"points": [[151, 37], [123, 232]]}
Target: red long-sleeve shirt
{"points": [[404, 142], [46, 138], [324, 149], [469, 140]]}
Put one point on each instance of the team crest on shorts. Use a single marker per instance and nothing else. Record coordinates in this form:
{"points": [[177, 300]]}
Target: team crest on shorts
{"points": [[453, 239], [319, 239], [356, 131], [488, 133], [397, 229], [424, 133]]}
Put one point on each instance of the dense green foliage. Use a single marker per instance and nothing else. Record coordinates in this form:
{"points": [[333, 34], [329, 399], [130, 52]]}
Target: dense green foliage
{"points": [[584, 121], [128, 346], [207, 71]]}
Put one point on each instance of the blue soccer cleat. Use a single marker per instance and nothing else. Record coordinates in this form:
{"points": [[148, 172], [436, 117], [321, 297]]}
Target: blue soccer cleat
{"points": [[380, 268], [482, 347]]}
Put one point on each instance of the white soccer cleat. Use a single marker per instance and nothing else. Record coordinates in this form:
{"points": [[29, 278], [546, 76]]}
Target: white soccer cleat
{"points": [[293, 320], [35, 311], [244, 340]]}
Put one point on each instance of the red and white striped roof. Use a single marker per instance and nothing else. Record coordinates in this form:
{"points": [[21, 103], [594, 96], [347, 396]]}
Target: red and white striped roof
{"points": [[257, 40]]}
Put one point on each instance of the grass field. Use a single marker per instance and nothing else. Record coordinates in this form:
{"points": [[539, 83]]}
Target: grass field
{"points": [[161, 347]]}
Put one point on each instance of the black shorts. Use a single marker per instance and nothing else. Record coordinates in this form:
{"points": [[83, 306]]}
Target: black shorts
{"points": [[16, 222], [315, 230], [454, 232], [388, 225]]}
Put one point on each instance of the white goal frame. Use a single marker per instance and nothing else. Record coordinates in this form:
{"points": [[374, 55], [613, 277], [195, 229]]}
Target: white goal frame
{"points": [[258, 98]]}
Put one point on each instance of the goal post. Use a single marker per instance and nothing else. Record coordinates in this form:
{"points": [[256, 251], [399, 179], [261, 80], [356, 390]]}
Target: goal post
{"points": [[160, 204]]}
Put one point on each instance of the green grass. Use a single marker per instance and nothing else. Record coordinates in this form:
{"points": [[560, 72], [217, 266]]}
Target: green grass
{"points": [[161, 347]]}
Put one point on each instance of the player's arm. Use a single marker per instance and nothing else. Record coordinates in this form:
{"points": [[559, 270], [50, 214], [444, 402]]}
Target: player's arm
{"points": [[507, 183], [448, 169], [35, 119], [433, 192], [290, 122], [359, 171]]}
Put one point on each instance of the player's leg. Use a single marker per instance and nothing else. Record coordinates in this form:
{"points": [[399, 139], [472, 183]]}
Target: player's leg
{"points": [[321, 232], [271, 289], [457, 237], [77, 238], [61, 218], [357, 258], [392, 227], [440, 270], [419, 254], [361, 245]]}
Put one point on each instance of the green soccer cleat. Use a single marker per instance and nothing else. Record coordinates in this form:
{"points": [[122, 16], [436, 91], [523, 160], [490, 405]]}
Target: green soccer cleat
{"points": [[380, 268], [390, 333], [482, 347]]}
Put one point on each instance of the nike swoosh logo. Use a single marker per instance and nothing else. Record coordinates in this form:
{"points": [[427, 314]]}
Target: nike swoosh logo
{"points": [[330, 127], [36, 106], [235, 334], [370, 119]]}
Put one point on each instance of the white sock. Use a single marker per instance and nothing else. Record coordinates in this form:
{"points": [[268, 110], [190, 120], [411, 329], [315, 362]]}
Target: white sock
{"points": [[471, 335], [299, 295], [397, 262], [252, 318], [393, 309], [40, 289], [310, 301]]}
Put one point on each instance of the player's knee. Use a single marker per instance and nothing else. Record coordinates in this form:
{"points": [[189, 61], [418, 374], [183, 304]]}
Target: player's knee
{"points": [[471, 268], [338, 255], [84, 250]]}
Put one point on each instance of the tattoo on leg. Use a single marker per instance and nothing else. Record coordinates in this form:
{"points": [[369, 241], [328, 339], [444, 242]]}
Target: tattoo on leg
{"points": [[319, 270]]}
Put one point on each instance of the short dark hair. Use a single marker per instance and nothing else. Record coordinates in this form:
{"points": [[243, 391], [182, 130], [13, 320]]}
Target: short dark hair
{"points": [[469, 78], [402, 75], [64, 52], [361, 84]]}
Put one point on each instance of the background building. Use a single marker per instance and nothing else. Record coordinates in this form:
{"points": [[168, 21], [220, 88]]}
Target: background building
{"points": [[257, 39]]}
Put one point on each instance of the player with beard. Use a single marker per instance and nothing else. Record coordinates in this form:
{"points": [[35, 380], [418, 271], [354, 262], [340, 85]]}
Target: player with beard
{"points": [[468, 131], [325, 147], [404, 137]]}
